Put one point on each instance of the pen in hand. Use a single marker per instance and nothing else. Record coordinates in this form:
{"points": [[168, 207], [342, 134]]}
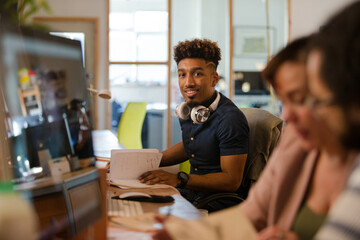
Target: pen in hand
{"points": [[168, 212], [162, 218]]}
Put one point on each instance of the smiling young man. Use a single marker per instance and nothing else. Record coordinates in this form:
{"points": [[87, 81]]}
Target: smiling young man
{"points": [[215, 133]]}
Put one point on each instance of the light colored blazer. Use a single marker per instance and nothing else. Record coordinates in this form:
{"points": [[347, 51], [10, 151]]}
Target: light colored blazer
{"points": [[276, 197]]}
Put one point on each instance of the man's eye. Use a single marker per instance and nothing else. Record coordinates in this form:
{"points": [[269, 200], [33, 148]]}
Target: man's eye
{"points": [[181, 74], [197, 74]]}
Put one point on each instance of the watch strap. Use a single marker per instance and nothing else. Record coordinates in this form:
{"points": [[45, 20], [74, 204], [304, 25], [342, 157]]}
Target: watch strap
{"points": [[184, 178]]}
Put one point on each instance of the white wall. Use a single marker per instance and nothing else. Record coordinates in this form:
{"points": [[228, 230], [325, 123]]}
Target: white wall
{"points": [[308, 15], [91, 9]]}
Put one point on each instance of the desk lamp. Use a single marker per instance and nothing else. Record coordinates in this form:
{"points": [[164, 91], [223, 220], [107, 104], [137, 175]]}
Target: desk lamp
{"points": [[103, 93]]}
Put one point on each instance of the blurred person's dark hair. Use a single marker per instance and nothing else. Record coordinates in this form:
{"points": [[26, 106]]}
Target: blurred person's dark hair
{"points": [[295, 51], [338, 42]]}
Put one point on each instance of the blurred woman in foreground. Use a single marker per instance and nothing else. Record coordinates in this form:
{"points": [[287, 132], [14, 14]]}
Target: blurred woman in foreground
{"points": [[304, 176]]}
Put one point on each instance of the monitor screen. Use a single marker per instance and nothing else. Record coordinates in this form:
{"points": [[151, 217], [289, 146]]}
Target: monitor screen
{"points": [[54, 136], [250, 83], [44, 97]]}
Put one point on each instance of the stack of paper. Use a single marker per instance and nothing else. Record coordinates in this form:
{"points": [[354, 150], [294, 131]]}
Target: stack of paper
{"points": [[127, 165]]}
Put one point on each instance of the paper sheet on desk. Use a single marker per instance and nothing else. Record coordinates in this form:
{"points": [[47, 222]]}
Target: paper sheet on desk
{"points": [[129, 164], [134, 183]]}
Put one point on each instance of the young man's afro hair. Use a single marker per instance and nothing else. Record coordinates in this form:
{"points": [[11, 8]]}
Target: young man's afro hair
{"points": [[198, 48]]}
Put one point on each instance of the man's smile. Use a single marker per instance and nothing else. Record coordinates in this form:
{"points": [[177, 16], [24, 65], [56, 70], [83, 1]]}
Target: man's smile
{"points": [[190, 93]]}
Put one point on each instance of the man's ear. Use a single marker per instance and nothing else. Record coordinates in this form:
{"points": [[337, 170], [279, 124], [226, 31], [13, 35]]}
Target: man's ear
{"points": [[215, 79]]}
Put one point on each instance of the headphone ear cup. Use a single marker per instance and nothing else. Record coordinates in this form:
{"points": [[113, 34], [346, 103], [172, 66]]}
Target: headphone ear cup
{"points": [[200, 114], [183, 111]]}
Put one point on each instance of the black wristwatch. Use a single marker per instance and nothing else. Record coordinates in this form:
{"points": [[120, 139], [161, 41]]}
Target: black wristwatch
{"points": [[184, 178]]}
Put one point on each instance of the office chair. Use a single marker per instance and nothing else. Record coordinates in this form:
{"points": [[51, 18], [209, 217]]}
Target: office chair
{"points": [[130, 125], [185, 166], [265, 130]]}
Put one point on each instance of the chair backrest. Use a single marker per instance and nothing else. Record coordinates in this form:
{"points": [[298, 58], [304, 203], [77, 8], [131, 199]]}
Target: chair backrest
{"points": [[130, 126], [185, 166], [265, 130]]}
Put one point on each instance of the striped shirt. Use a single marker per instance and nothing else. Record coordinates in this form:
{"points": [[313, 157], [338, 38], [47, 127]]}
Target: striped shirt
{"points": [[343, 220]]}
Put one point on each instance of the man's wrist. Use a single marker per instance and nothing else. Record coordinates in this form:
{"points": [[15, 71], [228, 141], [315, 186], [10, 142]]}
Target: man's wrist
{"points": [[178, 183], [184, 178]]}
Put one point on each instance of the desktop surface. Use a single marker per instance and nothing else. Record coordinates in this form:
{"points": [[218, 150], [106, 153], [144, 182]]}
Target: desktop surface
{"points": [[104, 141], [125, 230]]}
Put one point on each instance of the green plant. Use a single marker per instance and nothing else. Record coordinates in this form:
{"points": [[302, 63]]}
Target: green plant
{"points": [[19, 11]]}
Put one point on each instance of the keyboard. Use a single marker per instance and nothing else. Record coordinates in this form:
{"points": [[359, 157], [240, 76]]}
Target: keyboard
{"points": [[123, 208]]}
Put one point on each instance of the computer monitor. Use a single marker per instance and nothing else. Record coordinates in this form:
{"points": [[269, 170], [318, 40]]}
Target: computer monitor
{"points": [[54, 136], [250, 83], [44, 97]]}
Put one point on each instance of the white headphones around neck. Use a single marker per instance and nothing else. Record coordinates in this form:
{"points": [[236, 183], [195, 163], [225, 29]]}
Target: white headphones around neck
{"points": [[199, 114]]}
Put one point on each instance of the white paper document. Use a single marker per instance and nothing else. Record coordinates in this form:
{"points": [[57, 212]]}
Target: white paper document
{"points": [[134, 183], [127, 165]]}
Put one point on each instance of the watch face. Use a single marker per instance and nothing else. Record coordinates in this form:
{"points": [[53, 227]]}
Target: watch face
{"points": [[183, 175]]}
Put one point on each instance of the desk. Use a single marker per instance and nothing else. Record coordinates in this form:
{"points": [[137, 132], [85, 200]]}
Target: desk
{"points": [[180, 208], [103, 142]]}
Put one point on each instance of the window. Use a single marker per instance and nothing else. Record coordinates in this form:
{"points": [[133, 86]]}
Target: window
{"points": [[139, 61], [141, 68]]}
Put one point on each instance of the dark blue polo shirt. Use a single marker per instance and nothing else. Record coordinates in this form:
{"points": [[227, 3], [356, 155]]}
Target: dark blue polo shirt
{"points": [[226, 132]]}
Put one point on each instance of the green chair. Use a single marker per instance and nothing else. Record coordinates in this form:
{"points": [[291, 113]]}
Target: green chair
{"points": [[185, 167], [130, 126]]}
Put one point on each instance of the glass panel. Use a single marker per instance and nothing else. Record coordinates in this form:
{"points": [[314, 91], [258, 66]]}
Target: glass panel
{"points": [[138, 30], [138, 33], [150, 75], [121, 21], [151, 21], [152, 47], [203, 19], [254, 40], [122, 45], [141, 83], [122, 74]]}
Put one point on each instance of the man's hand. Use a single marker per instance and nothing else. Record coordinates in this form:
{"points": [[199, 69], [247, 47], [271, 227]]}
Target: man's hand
{"points": [[159, 177]]}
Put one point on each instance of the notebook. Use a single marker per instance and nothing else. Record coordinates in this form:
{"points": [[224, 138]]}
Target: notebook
{"points": [[126, 165]]}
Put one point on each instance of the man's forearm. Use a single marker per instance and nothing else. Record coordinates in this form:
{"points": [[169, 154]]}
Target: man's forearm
{"points": [[214, 182], [174, 155], [228, 180]]}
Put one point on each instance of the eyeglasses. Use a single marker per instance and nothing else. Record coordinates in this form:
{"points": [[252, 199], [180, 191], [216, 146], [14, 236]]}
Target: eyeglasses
{"points": [[313, 102]]}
